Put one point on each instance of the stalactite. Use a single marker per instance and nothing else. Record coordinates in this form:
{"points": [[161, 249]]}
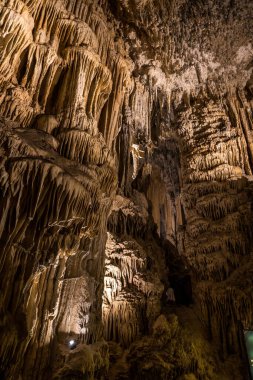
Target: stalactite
{"points": [[63, 161], [16, 30], [131, 294]]}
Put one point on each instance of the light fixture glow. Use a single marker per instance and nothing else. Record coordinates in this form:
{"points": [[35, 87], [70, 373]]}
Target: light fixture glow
{"points": [[72, 343]]}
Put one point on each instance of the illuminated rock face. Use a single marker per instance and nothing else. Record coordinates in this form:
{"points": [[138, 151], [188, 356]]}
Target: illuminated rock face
{"points": [[125, 128], [57, 181]]}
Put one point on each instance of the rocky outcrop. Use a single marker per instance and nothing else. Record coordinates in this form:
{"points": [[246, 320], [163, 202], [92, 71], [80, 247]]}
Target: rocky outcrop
{"points": [[125, 129], [134, 268], [57, 180]]}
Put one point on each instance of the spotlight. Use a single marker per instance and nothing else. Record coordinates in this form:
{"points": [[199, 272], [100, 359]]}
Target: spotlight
{"points": [[72, 344]]}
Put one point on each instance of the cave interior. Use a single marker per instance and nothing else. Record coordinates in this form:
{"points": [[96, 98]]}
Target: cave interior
{"points": [[126, 189]]}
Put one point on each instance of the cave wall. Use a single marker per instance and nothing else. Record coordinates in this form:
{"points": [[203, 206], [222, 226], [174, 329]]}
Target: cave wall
{"points": [[57, 178], [124, 125]]}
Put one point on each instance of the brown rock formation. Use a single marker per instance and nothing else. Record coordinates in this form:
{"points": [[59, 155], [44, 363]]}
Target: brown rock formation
{"points": [[126, 160]]}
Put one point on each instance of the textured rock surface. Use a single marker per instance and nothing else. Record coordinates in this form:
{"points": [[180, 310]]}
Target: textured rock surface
{"points": [[126, 155]]}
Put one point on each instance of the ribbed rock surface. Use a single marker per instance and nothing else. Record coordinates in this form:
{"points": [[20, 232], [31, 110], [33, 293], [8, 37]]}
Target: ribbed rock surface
{"points": [[57, 179], [126, 151]]}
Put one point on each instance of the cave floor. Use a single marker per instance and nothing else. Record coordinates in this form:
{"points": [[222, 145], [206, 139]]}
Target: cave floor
{"points": [[196, 330]]}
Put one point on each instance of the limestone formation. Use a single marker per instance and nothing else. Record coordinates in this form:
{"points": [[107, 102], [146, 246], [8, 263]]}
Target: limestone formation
{"points": [[126, 163]]}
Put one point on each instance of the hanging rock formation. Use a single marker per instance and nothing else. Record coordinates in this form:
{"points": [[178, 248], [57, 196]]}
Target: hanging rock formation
{"points": [[126, 160]]}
